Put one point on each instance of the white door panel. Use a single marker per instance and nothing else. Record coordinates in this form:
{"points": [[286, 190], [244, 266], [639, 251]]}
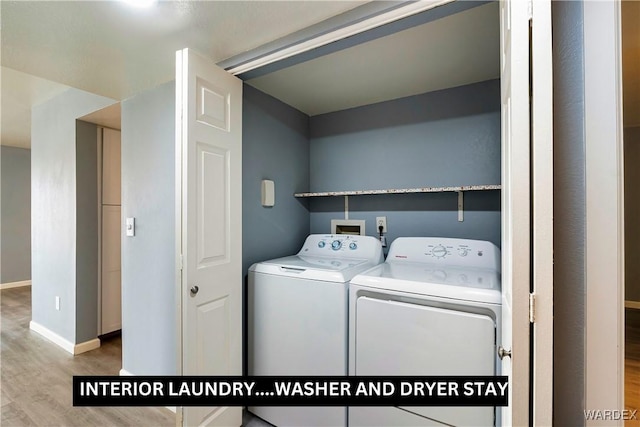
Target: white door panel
{"points": [[209, 127], [110, 289]]}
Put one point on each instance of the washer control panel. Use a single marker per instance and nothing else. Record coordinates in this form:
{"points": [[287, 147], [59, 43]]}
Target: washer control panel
{"points": [[452, 252], [343, 246]]}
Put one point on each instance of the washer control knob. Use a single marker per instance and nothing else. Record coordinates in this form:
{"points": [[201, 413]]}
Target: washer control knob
{"points": [[439, 251], [336, 245], [321, 244], [353, 246], [463, 251]]}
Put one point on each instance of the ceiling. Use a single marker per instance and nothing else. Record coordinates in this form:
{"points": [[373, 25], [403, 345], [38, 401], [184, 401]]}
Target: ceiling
{"points": [[113, 50], [21, 91], [406, 63]]}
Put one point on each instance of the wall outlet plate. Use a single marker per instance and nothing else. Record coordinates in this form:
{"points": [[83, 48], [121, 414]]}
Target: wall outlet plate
{"points": [[381, 221]]}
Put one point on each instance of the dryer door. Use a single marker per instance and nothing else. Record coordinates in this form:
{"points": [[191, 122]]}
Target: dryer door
{"points": [[398, 338]]}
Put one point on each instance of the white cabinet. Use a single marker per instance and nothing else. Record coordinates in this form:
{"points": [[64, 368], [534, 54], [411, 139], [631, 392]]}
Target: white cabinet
{"points": [[110, 167], [110, 263]]}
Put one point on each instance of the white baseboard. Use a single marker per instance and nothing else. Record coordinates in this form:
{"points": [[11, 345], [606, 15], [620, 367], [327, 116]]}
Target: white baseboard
{"points": [[83, 347], [15, 284], [125, 373], [52, 336], [63, 343], [632, 304]]}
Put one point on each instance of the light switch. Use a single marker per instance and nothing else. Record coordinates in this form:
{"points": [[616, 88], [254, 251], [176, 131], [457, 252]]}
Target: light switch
{"points": [[130, 224]]}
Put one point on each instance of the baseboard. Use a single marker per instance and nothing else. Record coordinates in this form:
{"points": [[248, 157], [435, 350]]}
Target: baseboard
{"points": [[83, 347], [124, 373], [52, 336], [63, 343], [632, 304], [15, 284]]}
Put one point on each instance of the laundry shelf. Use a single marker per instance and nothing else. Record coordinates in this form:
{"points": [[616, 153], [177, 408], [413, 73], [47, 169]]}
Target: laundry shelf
{"points": [[401, 191], [460, 190]]}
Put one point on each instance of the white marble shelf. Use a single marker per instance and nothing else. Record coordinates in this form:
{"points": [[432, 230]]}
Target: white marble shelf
{"points": [[401, 191]]}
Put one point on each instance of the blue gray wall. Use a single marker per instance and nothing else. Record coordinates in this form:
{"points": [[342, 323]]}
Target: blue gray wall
{"points": [[444, 138], [53, 208], [569, 213], [632, 212], [86, 231], [275, 146], [15, 239], [149, 335]]}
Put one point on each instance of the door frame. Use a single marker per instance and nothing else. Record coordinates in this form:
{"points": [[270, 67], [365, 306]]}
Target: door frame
{"points": [[542, 213], [319, 40], [604, 235]]}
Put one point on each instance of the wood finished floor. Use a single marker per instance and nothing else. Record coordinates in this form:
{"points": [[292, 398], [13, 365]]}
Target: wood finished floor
{"points": [[632, 364], [35, 376]]}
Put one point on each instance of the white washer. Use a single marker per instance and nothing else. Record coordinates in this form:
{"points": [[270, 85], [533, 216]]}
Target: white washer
{"points": [[298, 321], [433, 308]]}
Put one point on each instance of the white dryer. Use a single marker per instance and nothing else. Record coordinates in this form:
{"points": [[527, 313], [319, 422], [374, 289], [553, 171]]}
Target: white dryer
{"points": [[433, 308], [298, 321]]}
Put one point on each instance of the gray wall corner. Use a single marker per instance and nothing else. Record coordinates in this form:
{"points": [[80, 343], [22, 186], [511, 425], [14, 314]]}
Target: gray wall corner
{"points": [[275, 146], [87, 229]]}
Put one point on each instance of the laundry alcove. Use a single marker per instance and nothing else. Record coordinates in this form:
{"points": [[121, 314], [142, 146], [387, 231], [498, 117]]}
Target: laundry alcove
{"points": [[413, 104]]}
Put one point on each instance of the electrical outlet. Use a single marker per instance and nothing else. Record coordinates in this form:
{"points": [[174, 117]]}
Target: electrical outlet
{"points": [[381, 221], [58, 303]]}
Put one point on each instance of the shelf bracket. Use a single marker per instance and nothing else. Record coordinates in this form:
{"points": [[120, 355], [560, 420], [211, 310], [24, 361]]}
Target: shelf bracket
{"points": [[460, 206], [346, 207]]}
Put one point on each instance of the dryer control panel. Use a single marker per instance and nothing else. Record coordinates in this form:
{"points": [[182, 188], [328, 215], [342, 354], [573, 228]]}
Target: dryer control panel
{"points": [[343, 246], [451, 252]]}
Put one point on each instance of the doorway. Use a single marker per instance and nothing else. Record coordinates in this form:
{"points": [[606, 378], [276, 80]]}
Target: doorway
{"points": [[106, 156], [630, 14]]}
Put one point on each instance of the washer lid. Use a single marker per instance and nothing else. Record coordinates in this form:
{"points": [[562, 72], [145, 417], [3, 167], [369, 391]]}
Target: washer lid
{"points": [[314, 268], [479, 285]]}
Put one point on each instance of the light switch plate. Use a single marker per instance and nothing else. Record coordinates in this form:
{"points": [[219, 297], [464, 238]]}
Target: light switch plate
{"points": [[130, 225]]}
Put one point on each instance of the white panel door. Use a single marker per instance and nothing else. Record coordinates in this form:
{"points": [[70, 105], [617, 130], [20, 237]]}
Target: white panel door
{"points": [[209, 143], [516, 223], [110, 289]]}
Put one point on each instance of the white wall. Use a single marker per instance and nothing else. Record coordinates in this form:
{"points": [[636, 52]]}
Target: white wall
{"points": [[53, 208], [149, 309], [15, 239]]}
